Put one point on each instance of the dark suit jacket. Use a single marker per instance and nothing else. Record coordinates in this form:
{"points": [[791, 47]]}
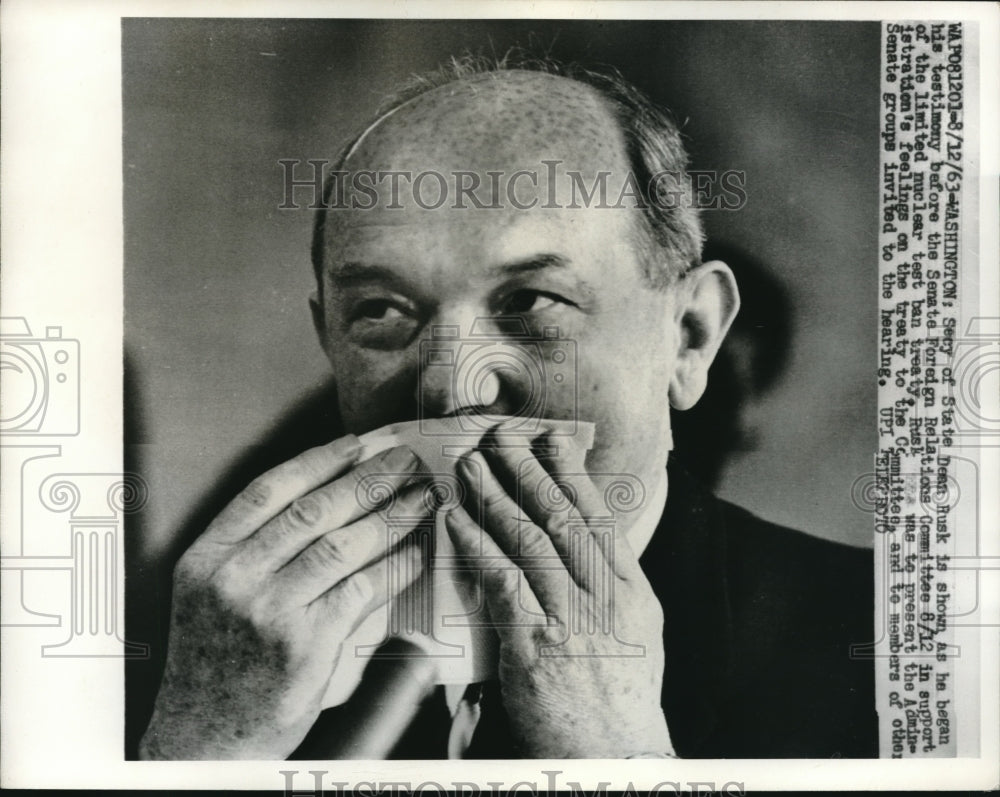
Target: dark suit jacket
{"points": [[759, 625]]}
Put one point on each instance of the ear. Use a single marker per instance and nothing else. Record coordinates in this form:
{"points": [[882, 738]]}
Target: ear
{"points": [[319, 321], [708, 301]]}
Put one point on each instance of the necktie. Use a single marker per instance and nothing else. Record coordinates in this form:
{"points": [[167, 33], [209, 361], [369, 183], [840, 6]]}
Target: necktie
{"points": [[464, 721], [492, 737]]}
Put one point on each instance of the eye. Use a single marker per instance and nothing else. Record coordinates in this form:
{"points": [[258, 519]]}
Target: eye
{"points": [[386, 324], [525, 301], [377, 311]]}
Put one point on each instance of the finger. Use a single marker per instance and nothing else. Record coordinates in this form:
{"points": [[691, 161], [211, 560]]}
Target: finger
{"points": [[509, 598], [521, 541], [372, 485], [585, 543], [551, 507], [349, 602], [561, 461], [513, 458], [337, 554], [564, 463], [270, 493], [542, 499]]}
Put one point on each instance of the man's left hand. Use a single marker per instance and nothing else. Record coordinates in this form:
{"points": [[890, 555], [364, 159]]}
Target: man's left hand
{"points": [[581, 632]]}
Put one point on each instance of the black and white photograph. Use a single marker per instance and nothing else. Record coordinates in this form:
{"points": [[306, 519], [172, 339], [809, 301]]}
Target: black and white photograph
{"points": [[614, 386]]}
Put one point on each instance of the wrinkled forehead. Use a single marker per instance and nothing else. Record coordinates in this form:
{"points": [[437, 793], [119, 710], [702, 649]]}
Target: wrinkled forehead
{"points": [[496, 121]]}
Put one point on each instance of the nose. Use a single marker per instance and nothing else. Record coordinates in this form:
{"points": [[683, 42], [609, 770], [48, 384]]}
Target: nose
{"points": [[458, 375], [477, 386]]}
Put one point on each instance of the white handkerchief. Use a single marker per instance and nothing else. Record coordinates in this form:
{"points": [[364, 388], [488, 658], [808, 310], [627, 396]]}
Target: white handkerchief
{"points": [[443, 612]]}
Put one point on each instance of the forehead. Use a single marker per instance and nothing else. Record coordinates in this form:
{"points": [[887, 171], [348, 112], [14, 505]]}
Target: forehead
{"points": [[495, 121], [545, 125]]}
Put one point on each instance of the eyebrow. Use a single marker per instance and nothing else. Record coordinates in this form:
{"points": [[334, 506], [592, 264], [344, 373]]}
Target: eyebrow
{"points": [[535, 263], [353, 273]]}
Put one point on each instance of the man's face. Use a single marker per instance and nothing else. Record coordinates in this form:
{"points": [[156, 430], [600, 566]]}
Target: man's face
{"points": [[392, 275]]}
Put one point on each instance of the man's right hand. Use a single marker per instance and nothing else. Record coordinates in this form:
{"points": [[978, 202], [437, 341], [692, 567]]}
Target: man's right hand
{"points": [[265, 598]]}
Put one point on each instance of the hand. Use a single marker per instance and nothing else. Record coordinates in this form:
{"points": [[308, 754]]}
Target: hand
{"points": [[265, 598], [567, 688]]}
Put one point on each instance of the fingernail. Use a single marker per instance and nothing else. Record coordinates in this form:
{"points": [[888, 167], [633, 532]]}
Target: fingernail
{"points": [[465, 466], [400, 458], [419, 493], [453, 526], [454, 516], [346, 446]]}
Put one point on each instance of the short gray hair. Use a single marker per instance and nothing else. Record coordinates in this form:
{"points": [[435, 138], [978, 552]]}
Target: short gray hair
{"points": [[654, 147]]}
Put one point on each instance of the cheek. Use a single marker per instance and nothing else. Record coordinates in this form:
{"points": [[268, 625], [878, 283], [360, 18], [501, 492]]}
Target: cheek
{"points": [[625, 393], [625, 371], [373, 389]]}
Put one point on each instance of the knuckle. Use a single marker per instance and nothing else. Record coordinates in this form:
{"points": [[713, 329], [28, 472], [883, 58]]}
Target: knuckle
{"points": [[305, 512], [258, 492], [553, 632], [327, 552], [196, 564], [261, 610], [186, 571], [493, 500], [504, 582], [558, 525], [534, 542], [229, 585], [357, 592]]}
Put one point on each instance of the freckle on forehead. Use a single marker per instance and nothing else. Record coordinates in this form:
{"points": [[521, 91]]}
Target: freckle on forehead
{"points": [[498, 120]]}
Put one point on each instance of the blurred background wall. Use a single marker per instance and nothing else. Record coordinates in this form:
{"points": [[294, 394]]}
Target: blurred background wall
{"points": [[220, 351]]}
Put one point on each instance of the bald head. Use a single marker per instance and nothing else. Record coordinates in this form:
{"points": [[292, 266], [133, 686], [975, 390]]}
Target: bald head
{"points": [[493, 121], [478, 117]]}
